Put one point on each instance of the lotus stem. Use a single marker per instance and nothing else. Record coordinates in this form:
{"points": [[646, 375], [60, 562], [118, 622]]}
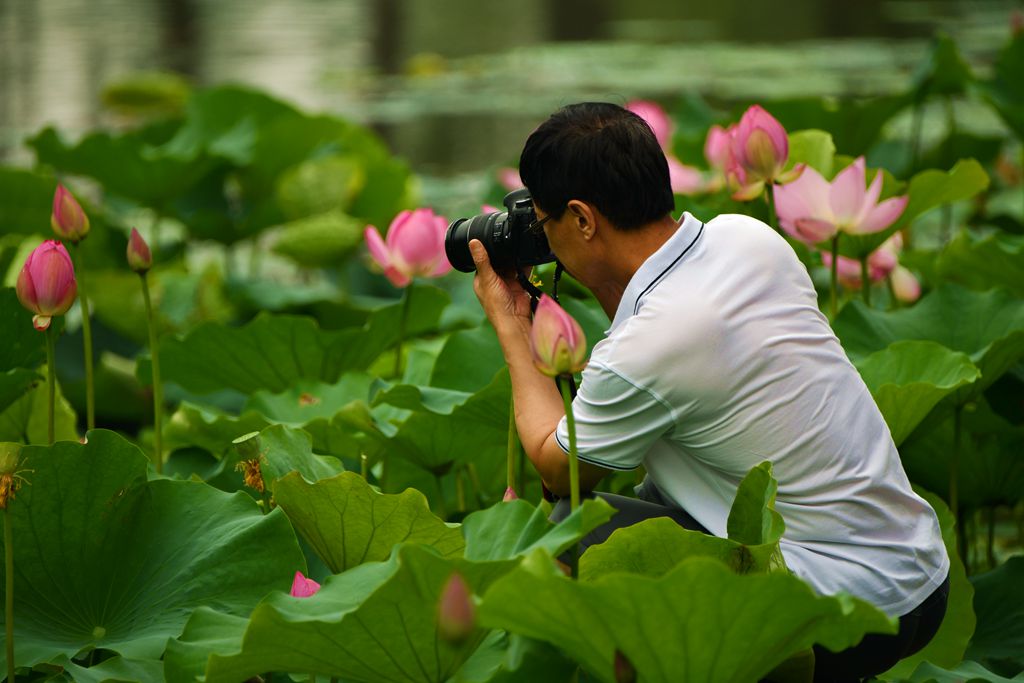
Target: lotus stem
{"points": [[83, 298], [915, 135], [954, 462], [442, 509], [865, 281], [574, 463], [513, 446], [158, 392], [9, 592], [990, 546], [460, 491], [773, 219], [834, 281], [406, 298], [51, 385]]}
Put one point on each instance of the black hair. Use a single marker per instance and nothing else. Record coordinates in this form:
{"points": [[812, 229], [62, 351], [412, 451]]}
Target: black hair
{"points": [[602, 154]]}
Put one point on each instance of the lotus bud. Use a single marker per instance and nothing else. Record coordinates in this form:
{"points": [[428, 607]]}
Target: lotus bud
{"points": [[556, 340], [905, 286], [510, 494], [624, 670], [414, 246], [139, 257], [68, 219], [303, 587], [456, 615], [760, 144], [46, 284], [718, 148]]}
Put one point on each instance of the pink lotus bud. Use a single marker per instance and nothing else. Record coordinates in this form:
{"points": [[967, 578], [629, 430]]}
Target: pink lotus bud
{"points": [[624, 670], [904, 285], [656, 118], [456, 615], [508, 178], [303, 587], [556, 340], [684, 179], [46, 284], [718, 148], [139, 257], [760, 146], [414, 246], [68, 220], [510, 494]]}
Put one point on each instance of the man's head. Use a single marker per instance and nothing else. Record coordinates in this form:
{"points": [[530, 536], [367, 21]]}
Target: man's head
{"points": [[601, 154]]}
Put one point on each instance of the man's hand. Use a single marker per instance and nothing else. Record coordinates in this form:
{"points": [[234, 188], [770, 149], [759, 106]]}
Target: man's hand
{"points": [[502, 297]]}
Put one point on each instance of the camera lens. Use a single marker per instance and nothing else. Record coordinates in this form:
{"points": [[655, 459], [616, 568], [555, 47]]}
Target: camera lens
{"points": [[461, 231]]}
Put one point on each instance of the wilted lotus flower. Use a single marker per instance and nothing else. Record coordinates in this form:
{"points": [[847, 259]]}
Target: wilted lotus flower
{"points": [[303, 587], [759, 151], [510, 494], [556, 340], [46, 284], [68, 219], [456, 615], [139, 257], [415, 246], [813, 210], [656, 118]]}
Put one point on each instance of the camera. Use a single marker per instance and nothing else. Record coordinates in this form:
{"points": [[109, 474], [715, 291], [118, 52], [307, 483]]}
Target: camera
{"points": [[504, 234]]}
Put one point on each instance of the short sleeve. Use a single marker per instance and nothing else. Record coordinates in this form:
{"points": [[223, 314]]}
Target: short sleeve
{"points": [[617, 421]]}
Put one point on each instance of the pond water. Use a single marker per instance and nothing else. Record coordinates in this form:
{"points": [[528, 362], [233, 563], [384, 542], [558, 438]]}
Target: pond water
{"points": [[455, 85]]}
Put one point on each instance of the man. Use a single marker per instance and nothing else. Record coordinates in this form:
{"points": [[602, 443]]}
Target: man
{"points": [[717, 359]]}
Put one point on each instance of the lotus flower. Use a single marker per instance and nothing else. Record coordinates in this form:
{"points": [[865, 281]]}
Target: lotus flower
{"points": [[882, 263], [684, 179], [905, 286], [415, 246], [68, 219], [139, 257], [758, 154], [656, 118], [46, 284], [456, 615], [508, 178], [303, 587], [556, 340], [718, 148], [813, 210]]}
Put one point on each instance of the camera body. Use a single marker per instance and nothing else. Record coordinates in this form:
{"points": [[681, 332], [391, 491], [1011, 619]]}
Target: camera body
{"points": [[504, 234]]}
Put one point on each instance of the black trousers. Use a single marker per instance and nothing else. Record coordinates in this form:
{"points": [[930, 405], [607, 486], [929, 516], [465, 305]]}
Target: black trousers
{"points": [[874, 654]]}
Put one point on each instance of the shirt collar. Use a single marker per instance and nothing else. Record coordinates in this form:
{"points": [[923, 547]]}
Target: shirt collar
{"points": [[656, 267]]}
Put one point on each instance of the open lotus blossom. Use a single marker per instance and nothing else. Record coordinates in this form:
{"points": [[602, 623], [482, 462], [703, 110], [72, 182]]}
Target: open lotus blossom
{"points": [[414, 246], [814, 210], [140, 259], [68, 219], [456, 615], [303, 587], [758, 154], [556, 340], [46, 284]]}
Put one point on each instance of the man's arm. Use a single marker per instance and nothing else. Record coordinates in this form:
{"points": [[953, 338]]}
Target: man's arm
{"points": [[538, 404]]}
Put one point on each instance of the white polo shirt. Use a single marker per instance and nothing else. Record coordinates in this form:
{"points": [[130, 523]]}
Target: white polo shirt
{"points": [[718, 359]]}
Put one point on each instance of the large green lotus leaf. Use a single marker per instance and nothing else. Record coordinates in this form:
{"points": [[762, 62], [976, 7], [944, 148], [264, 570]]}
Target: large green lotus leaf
{"points": [[14, 384], [948, 646], [421, 398], [320, 185], [983, 262], [855, 125], [306, 400], [377, 622], [348, 523], [322, 240], [124, 164], [1005, 91], [814, 148], [987, 326], [23, 346], [927, 190], [105, 559], [273, 351], [909, 378], [208, 428], [283, 449], [511, 658], [998, 642], [699, 622], [516, 528], [115, 669], [25, 419], [468, 360], [655, 546], [26, 200], [966, 672], [206, 632]]}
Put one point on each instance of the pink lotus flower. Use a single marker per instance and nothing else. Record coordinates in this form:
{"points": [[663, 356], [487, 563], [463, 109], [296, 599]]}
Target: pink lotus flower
{"points": [[68, 219], [456, 615], [303, 587], [684, 179], [140, 259], [882, 263], [556, 340], [46, 284], [813, 210], [508, 178], [718, 148], [415, 246], [656, 118], [759, 151], [510, 494], [905, 286]]}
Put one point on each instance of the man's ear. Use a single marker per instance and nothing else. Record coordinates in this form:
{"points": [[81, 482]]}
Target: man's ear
{"points": [[584, 218]]}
